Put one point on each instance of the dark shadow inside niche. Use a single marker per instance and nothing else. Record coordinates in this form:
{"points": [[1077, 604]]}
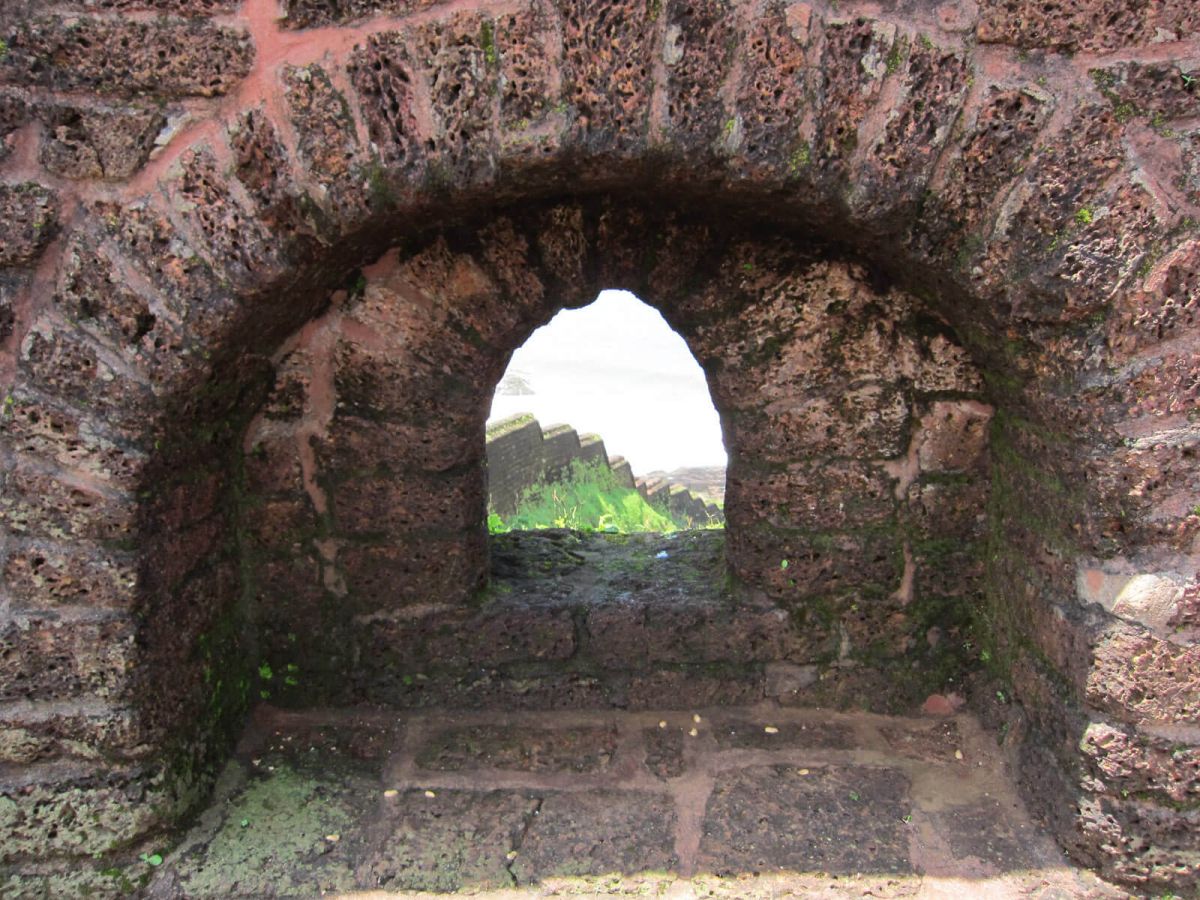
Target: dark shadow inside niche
{"points": [[603, 421]]}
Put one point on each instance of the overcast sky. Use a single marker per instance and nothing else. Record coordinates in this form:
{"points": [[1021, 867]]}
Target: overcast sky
{"points": [[616, 368]]}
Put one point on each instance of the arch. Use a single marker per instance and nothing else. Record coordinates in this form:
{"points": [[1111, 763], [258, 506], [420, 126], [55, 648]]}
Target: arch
{"points": [[993, 242]]}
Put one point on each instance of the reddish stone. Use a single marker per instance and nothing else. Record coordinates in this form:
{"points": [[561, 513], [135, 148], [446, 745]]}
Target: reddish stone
{"points": [[121, 56], [41, 503], [941, 704], [43, 575], [825, 496], [1070, 26], [1140, 678], [1129, 761], [777, 89], [606, 69], [422, 570], [47, 657], [327, 144], [952, 436], [98, 142], [29, 213]]}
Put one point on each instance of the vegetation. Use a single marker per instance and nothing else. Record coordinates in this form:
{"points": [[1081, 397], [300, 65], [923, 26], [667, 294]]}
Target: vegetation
{"points": [[587, 499]]}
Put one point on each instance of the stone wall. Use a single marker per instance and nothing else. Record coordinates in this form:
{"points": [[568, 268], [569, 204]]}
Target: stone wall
{"points": [[939, 263], [520, 455]]}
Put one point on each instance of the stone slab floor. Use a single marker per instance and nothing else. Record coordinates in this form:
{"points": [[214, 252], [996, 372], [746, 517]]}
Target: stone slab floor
{"points": [[753, 801]]}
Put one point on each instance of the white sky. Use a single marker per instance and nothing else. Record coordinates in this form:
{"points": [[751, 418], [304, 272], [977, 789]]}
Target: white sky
{"points": [[616, 368]]}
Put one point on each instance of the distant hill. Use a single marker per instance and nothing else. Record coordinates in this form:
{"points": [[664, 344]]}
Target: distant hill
{"points": [[706, 481]]}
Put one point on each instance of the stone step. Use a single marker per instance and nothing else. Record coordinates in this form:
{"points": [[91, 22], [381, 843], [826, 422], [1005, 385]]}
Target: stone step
{"points": [[584, 620], [750, 801]]}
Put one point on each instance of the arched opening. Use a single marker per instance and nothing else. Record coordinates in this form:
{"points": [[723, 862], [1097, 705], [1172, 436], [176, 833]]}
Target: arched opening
{"points": [[943, 293], [603, 421]]}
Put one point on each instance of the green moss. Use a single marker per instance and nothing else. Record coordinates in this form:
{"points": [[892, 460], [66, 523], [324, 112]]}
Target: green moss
{"points": [[896, 56], [487, 40], [800, 158], [509, 425]]}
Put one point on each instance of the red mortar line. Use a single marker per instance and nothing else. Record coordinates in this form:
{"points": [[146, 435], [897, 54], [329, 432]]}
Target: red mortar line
{"points": [[276, 47], [689, 793]]}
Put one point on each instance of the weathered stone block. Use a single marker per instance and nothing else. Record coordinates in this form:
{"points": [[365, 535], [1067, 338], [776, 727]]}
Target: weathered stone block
{"points": [[698, 51], [946, 509], [310, 13], [1143, 679], [855, 821], [47, 657], [455, 637], [389, 506], [1100, 25], [42, 575], [690, 688], [795, 564], [14, 113], [952, 436], [98, 142], [77, 810], [327, 143], [421, 570], [42, 503], [1164, 307], [357, 444], [42, 430], [595, 833], [634, 635], [33, 732], [29, 213], [825, 496], [1153, 600], [64, 363], [1128, 761], [527, 66], [607, 52], [521, 749], [167, 58]]}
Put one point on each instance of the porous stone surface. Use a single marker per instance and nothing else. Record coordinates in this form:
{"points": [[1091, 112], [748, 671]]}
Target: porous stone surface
{"points": [[259, 275], [342, 802]]}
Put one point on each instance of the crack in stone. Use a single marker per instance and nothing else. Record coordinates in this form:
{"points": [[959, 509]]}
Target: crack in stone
{"points": [[519, 840]]}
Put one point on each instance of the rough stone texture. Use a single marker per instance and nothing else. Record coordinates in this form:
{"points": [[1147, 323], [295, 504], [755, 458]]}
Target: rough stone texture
{"points": [[855, 823], [1106, 25], [126, 58], [595, 833], [583, 750], [30, 214], [958, 277], [100, 142]]}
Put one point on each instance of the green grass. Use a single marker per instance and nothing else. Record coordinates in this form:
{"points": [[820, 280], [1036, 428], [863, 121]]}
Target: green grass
{"points": [[589, 499]]}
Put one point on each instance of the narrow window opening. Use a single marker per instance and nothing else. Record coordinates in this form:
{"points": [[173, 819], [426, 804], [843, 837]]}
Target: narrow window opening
{"points": [[603, 421]]}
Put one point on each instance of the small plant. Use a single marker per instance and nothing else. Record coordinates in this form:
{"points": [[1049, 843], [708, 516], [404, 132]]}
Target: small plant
{"points": [[487, 37], [1085, 216], [588, 498], [4, 48], [151, 859], [855, 796]]}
